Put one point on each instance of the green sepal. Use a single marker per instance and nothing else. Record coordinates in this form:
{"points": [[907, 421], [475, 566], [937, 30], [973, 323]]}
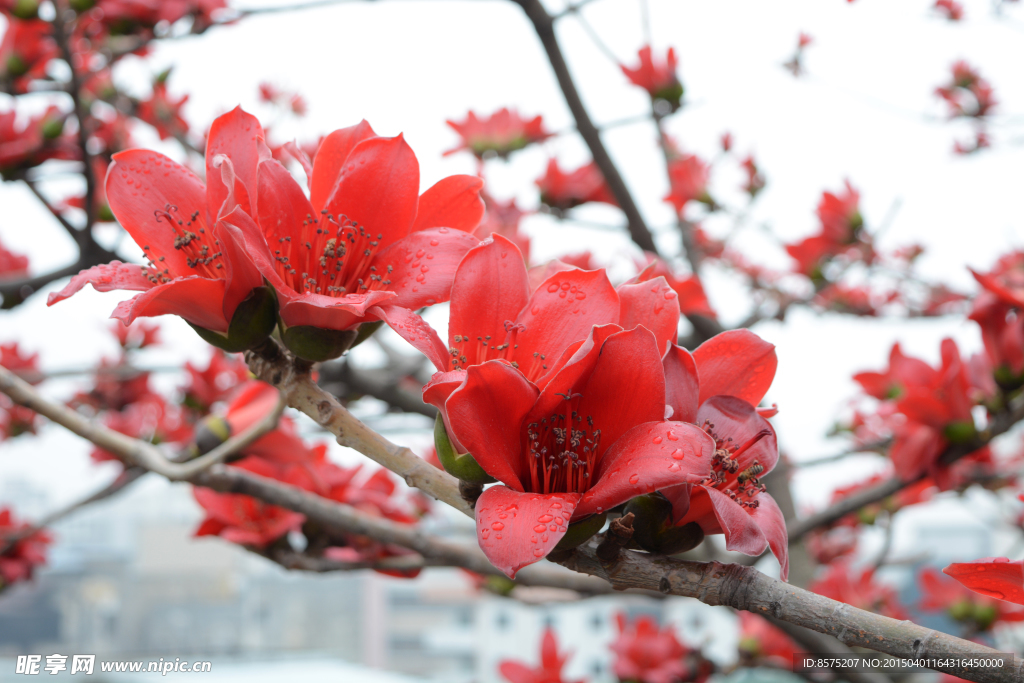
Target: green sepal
{"points": [[365, 331], [316, 344], [580, 532], [673, 94], [460, 465], [653, 529], [253, 321], [960, 432]]}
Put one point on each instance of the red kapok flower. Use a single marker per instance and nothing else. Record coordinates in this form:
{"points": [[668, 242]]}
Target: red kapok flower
{"points": [[16, 420], [996, 577], [19, 558], [591, 438], [659, 79], [243, 519], [692, 299], [495, 316], [761, 642], [164, 113], [950, 9], [364, 241], [549, 671], [26, 49], [688, 177], [961, 603], [499, 134], [648, 654], [196, 269], [221, 377], [858, 588], [718, 388], [562, 191], [503, 218], [12, 265]]}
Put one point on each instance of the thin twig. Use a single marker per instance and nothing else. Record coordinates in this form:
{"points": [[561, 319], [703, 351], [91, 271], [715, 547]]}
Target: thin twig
{"points": [[543, 24]]}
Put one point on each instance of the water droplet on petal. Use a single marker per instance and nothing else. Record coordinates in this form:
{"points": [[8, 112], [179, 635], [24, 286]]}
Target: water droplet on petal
{"points": [[553, 287], [497, 526], [678, 454], [656, 440], [544, 519], [634, 478], [540, 528]]}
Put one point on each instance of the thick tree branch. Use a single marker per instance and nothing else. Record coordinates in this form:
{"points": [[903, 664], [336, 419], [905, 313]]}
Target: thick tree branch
{"points": [[819, 643], [714, 583], [270, 365], [544, 25]]}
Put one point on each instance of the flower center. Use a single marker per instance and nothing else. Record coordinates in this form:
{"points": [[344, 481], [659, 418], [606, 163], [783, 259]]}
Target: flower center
{"points": [[466, 351], [190, 238], [740, 486], [332, 257], [563, 449]]}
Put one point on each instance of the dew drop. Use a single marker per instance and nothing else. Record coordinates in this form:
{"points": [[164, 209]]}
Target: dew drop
{"points": [[553, 287], [656, 440], [434, 243], [537, 552], [497, 526], [678, 454], [553, 527], [672, 436], [634, 478], [544, 519], [556, 506], [544, 538], [497, 536], [540, 528]]}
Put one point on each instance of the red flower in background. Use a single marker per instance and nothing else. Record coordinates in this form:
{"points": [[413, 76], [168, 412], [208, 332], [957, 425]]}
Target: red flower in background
{"points": [[941, 594], [136, 336], [761, 642], [364, 238], [223, 374], [912, 494], [500, 134], [16, 420], [658, 78], [164, 113], [858, 588], [995, 577], [38, 139], [243, 519], [562, 191], [20, 553], [494, 316], [549, 671], [196, 270], [503, 218], [26, 49], [967, 94], [998, 312], [648, 654], [12, 265], [935, 405], [755, 181], [151, 419], [841, 232], [688, 180], [950, 9], [717, 388], [591, 437]]}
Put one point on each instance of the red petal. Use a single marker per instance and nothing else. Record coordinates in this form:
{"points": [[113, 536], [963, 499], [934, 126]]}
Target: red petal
{"points": [[514, 672], [487, 413], [515, 529], [140, 182], [660, 455], [452, 202], [549, 651], [575, 363], [423, 265], [626, 387], [742, 533], [329, 159], [436, 393], [241, 274], [281, 205], [490, 289], [736, 363], [415, 330], [332, 313], [104, 278], [561, 311], [769, 518], [996, 577], [238, 136], [682, 385], [195, 299], [652, 304], [378, 188], [738, 420]]}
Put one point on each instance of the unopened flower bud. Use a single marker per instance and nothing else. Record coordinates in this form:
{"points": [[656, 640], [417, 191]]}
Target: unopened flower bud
{"points": [[52, 128], [317, 344], [252, 322], [653, 529], [461, 466], [960, 432], [211, 432], [25, 9]]}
